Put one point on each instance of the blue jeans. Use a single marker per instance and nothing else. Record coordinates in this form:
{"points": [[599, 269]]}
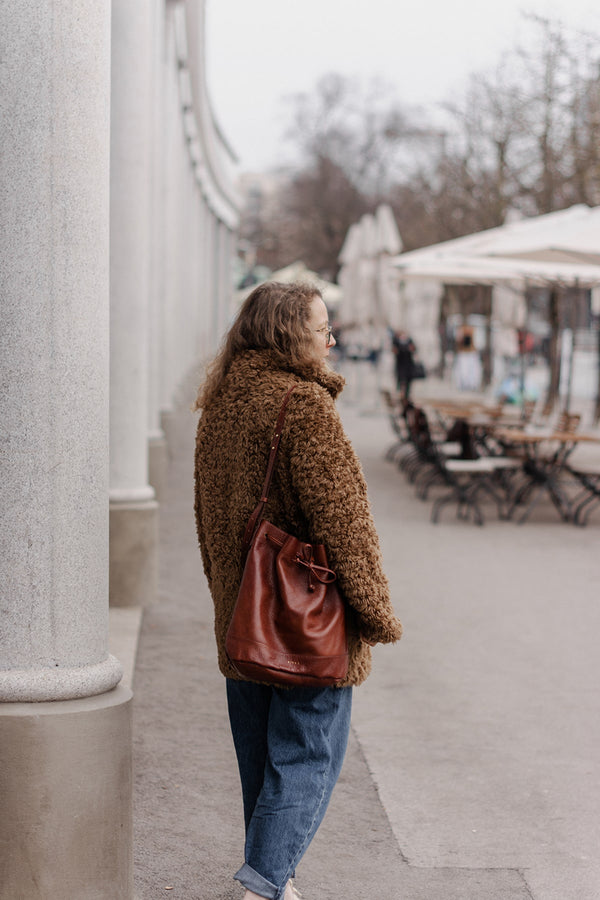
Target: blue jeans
{"points": [[290, 745]]}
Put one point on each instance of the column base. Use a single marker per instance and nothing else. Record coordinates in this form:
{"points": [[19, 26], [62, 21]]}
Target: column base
{"points": [[59, 682], [66, 786], [133, 569], [158, 463]]}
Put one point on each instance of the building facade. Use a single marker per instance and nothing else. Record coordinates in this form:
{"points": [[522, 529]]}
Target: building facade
{"points": [[118, 221]]}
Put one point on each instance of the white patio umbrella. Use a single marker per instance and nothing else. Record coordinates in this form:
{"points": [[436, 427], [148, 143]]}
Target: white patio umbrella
{"points": [[492, 270], [370, 285], [569, 235], [357, 274], [348, 276], [389, 243]]}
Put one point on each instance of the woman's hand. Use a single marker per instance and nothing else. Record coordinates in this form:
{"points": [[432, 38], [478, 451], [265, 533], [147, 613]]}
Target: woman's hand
{"points": [[386, 632]]}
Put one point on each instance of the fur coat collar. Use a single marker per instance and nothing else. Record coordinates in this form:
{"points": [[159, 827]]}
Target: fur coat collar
{"points": [[253, 363]]}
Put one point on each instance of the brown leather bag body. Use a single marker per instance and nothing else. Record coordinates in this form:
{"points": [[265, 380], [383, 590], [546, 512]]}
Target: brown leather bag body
{"points": [[289, 622]]}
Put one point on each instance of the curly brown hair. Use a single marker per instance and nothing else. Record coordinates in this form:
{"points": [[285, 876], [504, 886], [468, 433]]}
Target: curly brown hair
{"points": [[273, 317]]}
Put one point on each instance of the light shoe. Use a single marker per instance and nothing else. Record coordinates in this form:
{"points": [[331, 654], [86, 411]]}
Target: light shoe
{"points": [[291, 893]]}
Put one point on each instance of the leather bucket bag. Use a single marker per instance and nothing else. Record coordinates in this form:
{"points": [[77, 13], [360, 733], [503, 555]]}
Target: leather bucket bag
{"points": [[289, 622]]}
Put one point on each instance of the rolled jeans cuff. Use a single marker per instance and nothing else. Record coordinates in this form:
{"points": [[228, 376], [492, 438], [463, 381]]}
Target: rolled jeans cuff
{"points": [[252, 881]]}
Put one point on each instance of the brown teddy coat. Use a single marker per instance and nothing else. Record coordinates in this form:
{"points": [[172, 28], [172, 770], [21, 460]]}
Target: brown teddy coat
{"points": [[318, 493]]}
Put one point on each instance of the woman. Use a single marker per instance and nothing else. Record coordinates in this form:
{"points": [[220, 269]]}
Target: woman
{"points": [[290, 742]]}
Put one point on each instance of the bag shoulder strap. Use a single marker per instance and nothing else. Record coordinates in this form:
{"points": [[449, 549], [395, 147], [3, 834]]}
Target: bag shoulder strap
{"points": [[256, 517]]}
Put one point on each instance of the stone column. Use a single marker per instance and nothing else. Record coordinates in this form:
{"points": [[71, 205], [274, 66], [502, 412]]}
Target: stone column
{"points": [[231, 252], [224, 279], [157, 443], [209, 301], [133, 508], [65, 741], [215, 287], [174, 151], [201, 349], [188, 310], [189, 374]]}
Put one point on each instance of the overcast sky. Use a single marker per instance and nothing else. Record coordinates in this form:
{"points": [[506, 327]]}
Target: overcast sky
{"points": [[261, 50]]}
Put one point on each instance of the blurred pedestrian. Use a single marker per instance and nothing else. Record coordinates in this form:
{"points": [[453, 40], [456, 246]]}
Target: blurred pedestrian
{"points": [[290, 742], [467, 362], [403, 349]]}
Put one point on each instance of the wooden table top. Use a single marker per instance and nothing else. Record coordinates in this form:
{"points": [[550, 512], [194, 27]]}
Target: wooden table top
{"points": [[536, 437]]}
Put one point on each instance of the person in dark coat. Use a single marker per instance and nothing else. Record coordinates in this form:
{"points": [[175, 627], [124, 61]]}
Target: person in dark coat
{"points": [[403, 349]]}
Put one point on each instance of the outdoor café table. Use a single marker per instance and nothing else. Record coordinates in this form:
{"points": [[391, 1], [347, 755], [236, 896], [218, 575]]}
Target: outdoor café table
{"points": [[475, 412], [456, 409], [450, 414], [543, 471], [478, 425]]}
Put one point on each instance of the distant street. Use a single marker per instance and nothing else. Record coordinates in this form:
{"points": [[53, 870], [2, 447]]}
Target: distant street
{"points": [[472, 770]]}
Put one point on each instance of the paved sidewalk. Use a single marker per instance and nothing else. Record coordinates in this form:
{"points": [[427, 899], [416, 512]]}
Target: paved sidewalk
{"points": [[472, 770]]}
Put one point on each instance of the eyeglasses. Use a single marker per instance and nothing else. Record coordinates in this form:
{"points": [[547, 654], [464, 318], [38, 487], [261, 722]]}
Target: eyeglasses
{"points": [[327, 331]]}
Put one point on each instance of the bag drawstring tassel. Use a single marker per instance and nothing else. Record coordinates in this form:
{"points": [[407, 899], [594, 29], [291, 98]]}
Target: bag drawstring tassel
{"points": [[321, 573]]}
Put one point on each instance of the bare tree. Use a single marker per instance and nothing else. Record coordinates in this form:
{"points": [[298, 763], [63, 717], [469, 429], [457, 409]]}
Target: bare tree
{"points": [[350, 141], [360, 128], [583, 143], [525, 136], [490, 125], [561, 74]]}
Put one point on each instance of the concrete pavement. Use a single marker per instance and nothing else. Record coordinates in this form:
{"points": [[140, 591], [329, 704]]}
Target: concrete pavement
{"points": [[472, 770], [490, 760]]}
